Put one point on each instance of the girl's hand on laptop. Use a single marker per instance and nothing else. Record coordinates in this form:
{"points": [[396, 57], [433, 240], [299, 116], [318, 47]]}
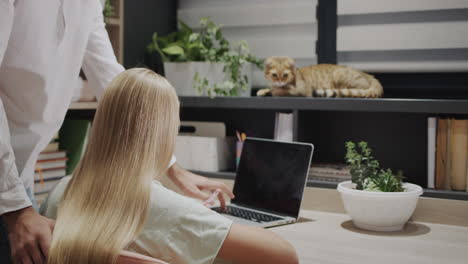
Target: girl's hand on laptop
{"points": [[210, 201], [193, 185]]}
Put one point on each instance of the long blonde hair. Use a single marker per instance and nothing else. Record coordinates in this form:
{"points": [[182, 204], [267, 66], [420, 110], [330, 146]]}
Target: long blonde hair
{"points": [[107, 200]]}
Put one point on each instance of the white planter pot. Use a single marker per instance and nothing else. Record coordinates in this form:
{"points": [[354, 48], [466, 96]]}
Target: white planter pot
{"points": [[379, 211], [180, 75]]}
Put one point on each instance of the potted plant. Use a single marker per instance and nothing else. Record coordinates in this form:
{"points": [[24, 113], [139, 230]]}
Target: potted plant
{"points": [[204, 62], [108, 10], [376, 199]]}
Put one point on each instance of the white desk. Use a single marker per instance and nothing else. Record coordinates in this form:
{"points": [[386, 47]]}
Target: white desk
{"points": [[327, 238]]}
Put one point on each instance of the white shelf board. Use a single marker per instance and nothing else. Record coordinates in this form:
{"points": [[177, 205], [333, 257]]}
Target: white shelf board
{"points": [[112, 21], [83, 105]]}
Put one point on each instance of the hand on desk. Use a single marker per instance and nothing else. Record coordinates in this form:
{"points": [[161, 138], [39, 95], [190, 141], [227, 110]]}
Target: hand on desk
{"points": [[193, 185]]}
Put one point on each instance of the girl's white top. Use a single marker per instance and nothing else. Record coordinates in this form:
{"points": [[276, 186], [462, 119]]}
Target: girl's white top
{"points": [[178, 229]]}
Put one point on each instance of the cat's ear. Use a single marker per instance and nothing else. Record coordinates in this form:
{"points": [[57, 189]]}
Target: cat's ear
{"points": [[291, 63], [269, 62]]}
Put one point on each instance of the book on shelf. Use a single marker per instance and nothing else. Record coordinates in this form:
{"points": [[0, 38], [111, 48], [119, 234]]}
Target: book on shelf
{"points": [[49, 174], [59, 163], [52, 146], [284, 123], [329, 172], [55, 137], [459, 153], [50, 168], [441, 154], [431, 151], [448, 178], [52, 155], [45, 186], [51, 162]]}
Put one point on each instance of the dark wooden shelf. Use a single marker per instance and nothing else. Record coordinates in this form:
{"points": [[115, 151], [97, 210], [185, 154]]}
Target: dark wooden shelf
{"points": [[432, 106], [455, 195], [445, 194]]}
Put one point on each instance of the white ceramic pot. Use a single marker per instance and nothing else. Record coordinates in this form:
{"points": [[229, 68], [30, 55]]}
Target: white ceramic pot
{"points": [[180, 75], [379, 211]]}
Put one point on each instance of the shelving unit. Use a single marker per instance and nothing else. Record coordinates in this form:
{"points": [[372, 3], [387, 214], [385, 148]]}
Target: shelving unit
{"points": [[456, 195], [395, 105], [115, 28], [396, 128]]}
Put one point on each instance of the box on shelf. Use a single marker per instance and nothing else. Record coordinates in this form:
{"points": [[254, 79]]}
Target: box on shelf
{"points": [[195, 151]]}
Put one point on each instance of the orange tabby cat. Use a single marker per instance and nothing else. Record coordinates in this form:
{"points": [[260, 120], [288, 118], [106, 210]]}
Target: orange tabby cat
{"points": [[323, 80]]}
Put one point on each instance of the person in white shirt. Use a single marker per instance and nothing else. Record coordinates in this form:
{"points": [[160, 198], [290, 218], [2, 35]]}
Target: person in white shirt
{"points": [[43, 45]]}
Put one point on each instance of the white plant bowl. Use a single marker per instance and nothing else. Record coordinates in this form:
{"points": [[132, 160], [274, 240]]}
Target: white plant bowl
{"points": [[379, 211]]}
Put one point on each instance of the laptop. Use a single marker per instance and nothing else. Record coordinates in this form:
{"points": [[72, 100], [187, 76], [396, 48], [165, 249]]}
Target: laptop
{"points": [[270, 182]]}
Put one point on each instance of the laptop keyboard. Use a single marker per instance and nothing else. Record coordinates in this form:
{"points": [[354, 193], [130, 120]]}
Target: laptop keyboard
{"points": [[246, 214]]}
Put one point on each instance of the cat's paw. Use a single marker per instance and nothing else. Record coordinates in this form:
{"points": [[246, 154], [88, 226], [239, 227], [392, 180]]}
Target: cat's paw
{"points": [[263, 92], [325, 93], [319, 93], [330, 93]]}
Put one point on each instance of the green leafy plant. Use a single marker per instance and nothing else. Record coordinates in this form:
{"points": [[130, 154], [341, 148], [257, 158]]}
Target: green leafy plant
{"points": [[208, 44], [108, 9], [366, 173]]}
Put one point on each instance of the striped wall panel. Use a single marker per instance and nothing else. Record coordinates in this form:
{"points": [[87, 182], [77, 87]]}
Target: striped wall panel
{"points": [[403, 35], [270, 27]]}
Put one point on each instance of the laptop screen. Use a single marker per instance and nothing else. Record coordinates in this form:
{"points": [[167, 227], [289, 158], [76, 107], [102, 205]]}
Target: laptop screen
{"points": [[272, 175]]}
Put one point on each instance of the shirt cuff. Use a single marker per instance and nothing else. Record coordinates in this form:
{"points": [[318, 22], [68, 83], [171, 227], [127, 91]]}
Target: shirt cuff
{"points": [[14, 199]]}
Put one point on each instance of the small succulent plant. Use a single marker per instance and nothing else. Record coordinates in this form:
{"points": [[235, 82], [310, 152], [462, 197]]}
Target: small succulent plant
{"points": [[366, 172]]}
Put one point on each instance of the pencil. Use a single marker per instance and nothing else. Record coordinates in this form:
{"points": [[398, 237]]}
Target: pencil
{"points": [[238, 136], [211, 198]]}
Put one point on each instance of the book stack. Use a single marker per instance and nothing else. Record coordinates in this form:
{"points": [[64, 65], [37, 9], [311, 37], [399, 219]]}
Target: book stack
{"points": [[449, 165], [329, 172], [51, 166]]}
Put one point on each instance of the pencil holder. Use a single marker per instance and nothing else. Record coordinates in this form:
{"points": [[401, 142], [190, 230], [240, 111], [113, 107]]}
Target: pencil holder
{"points": [[239, 145]]}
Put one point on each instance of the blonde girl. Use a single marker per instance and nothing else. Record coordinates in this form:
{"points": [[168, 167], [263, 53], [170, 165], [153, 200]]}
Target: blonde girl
{"points": [[112, 201]]}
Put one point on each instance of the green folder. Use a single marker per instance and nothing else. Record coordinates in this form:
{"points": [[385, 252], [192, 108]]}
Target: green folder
{"points": [[73, 138]]}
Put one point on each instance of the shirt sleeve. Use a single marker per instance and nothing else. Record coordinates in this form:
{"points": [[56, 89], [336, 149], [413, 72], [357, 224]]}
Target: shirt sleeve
{"points": [[12, 193], [99, 63], [181, 230], [6, 23]]}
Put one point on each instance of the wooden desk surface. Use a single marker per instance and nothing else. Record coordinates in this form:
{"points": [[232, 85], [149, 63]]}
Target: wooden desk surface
{"points": [[326, 238], [439, 233]]}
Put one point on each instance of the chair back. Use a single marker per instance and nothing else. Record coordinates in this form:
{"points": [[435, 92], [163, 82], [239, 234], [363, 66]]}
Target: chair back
{"points": [[127, 257]]}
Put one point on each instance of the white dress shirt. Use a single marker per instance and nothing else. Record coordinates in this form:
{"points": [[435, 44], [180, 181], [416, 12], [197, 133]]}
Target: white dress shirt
{"points": [[43, 45]]}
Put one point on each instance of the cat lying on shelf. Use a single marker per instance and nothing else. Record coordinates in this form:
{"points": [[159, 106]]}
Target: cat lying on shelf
{"points": [[322, 80]]}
